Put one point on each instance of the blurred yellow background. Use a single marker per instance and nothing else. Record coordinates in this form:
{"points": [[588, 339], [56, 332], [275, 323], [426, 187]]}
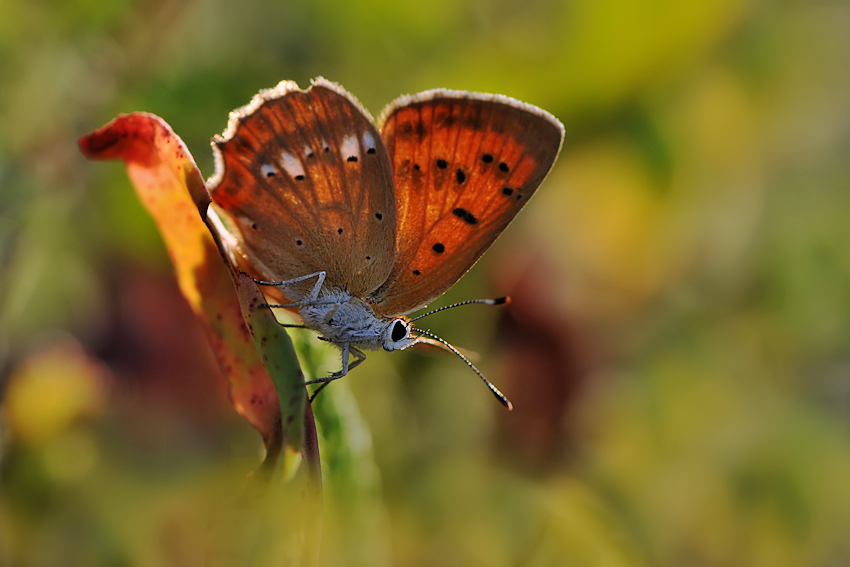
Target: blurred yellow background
{"points": [[678, 347]]}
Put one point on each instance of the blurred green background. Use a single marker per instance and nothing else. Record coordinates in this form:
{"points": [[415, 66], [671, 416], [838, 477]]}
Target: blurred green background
{"points": [[678, 348]]}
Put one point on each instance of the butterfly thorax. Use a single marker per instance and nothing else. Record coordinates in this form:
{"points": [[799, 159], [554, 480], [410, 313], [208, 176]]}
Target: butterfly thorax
{"points": [[340, 318]]}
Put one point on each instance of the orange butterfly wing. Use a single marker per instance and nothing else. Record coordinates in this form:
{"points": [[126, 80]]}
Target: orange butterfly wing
{"points": [[307, 180], [464, 165]]}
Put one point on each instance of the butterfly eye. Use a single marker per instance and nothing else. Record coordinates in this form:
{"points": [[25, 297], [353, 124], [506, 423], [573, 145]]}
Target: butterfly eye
{"points": [[397, 335], [399, 331]]}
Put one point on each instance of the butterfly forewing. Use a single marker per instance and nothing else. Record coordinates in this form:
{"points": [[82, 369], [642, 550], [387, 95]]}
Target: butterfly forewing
{"points": [[464, 165], [307, 179]]}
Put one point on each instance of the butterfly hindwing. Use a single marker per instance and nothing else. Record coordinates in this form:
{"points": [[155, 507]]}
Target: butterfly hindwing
{"points": [[464, 165], [307, 179]]}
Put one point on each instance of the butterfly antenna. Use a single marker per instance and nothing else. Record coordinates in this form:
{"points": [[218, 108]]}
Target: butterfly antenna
{"points": [[499, 395], [497, 301]]}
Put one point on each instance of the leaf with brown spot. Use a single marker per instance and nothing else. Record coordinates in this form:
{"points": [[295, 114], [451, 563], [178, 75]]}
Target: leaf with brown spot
{"points": [[172, 189]]}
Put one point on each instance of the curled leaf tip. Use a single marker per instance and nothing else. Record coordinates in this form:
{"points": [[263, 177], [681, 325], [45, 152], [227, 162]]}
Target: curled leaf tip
{"points": [[130, 137]]}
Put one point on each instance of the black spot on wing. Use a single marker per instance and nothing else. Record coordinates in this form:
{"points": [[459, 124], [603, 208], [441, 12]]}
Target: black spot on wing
{"points": [[411, 129], [465, 216]]}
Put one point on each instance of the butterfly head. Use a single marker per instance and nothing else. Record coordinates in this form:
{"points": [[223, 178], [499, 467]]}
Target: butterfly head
{"points": [[397, 335]]}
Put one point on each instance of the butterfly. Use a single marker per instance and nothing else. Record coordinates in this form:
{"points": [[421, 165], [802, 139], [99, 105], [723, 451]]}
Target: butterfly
{"points": [[356, 225]]}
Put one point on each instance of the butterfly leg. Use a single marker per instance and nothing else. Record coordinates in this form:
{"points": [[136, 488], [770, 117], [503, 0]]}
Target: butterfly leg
{"points": [[330, 316], [314, 294], [346, 349], [359, 355]]}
